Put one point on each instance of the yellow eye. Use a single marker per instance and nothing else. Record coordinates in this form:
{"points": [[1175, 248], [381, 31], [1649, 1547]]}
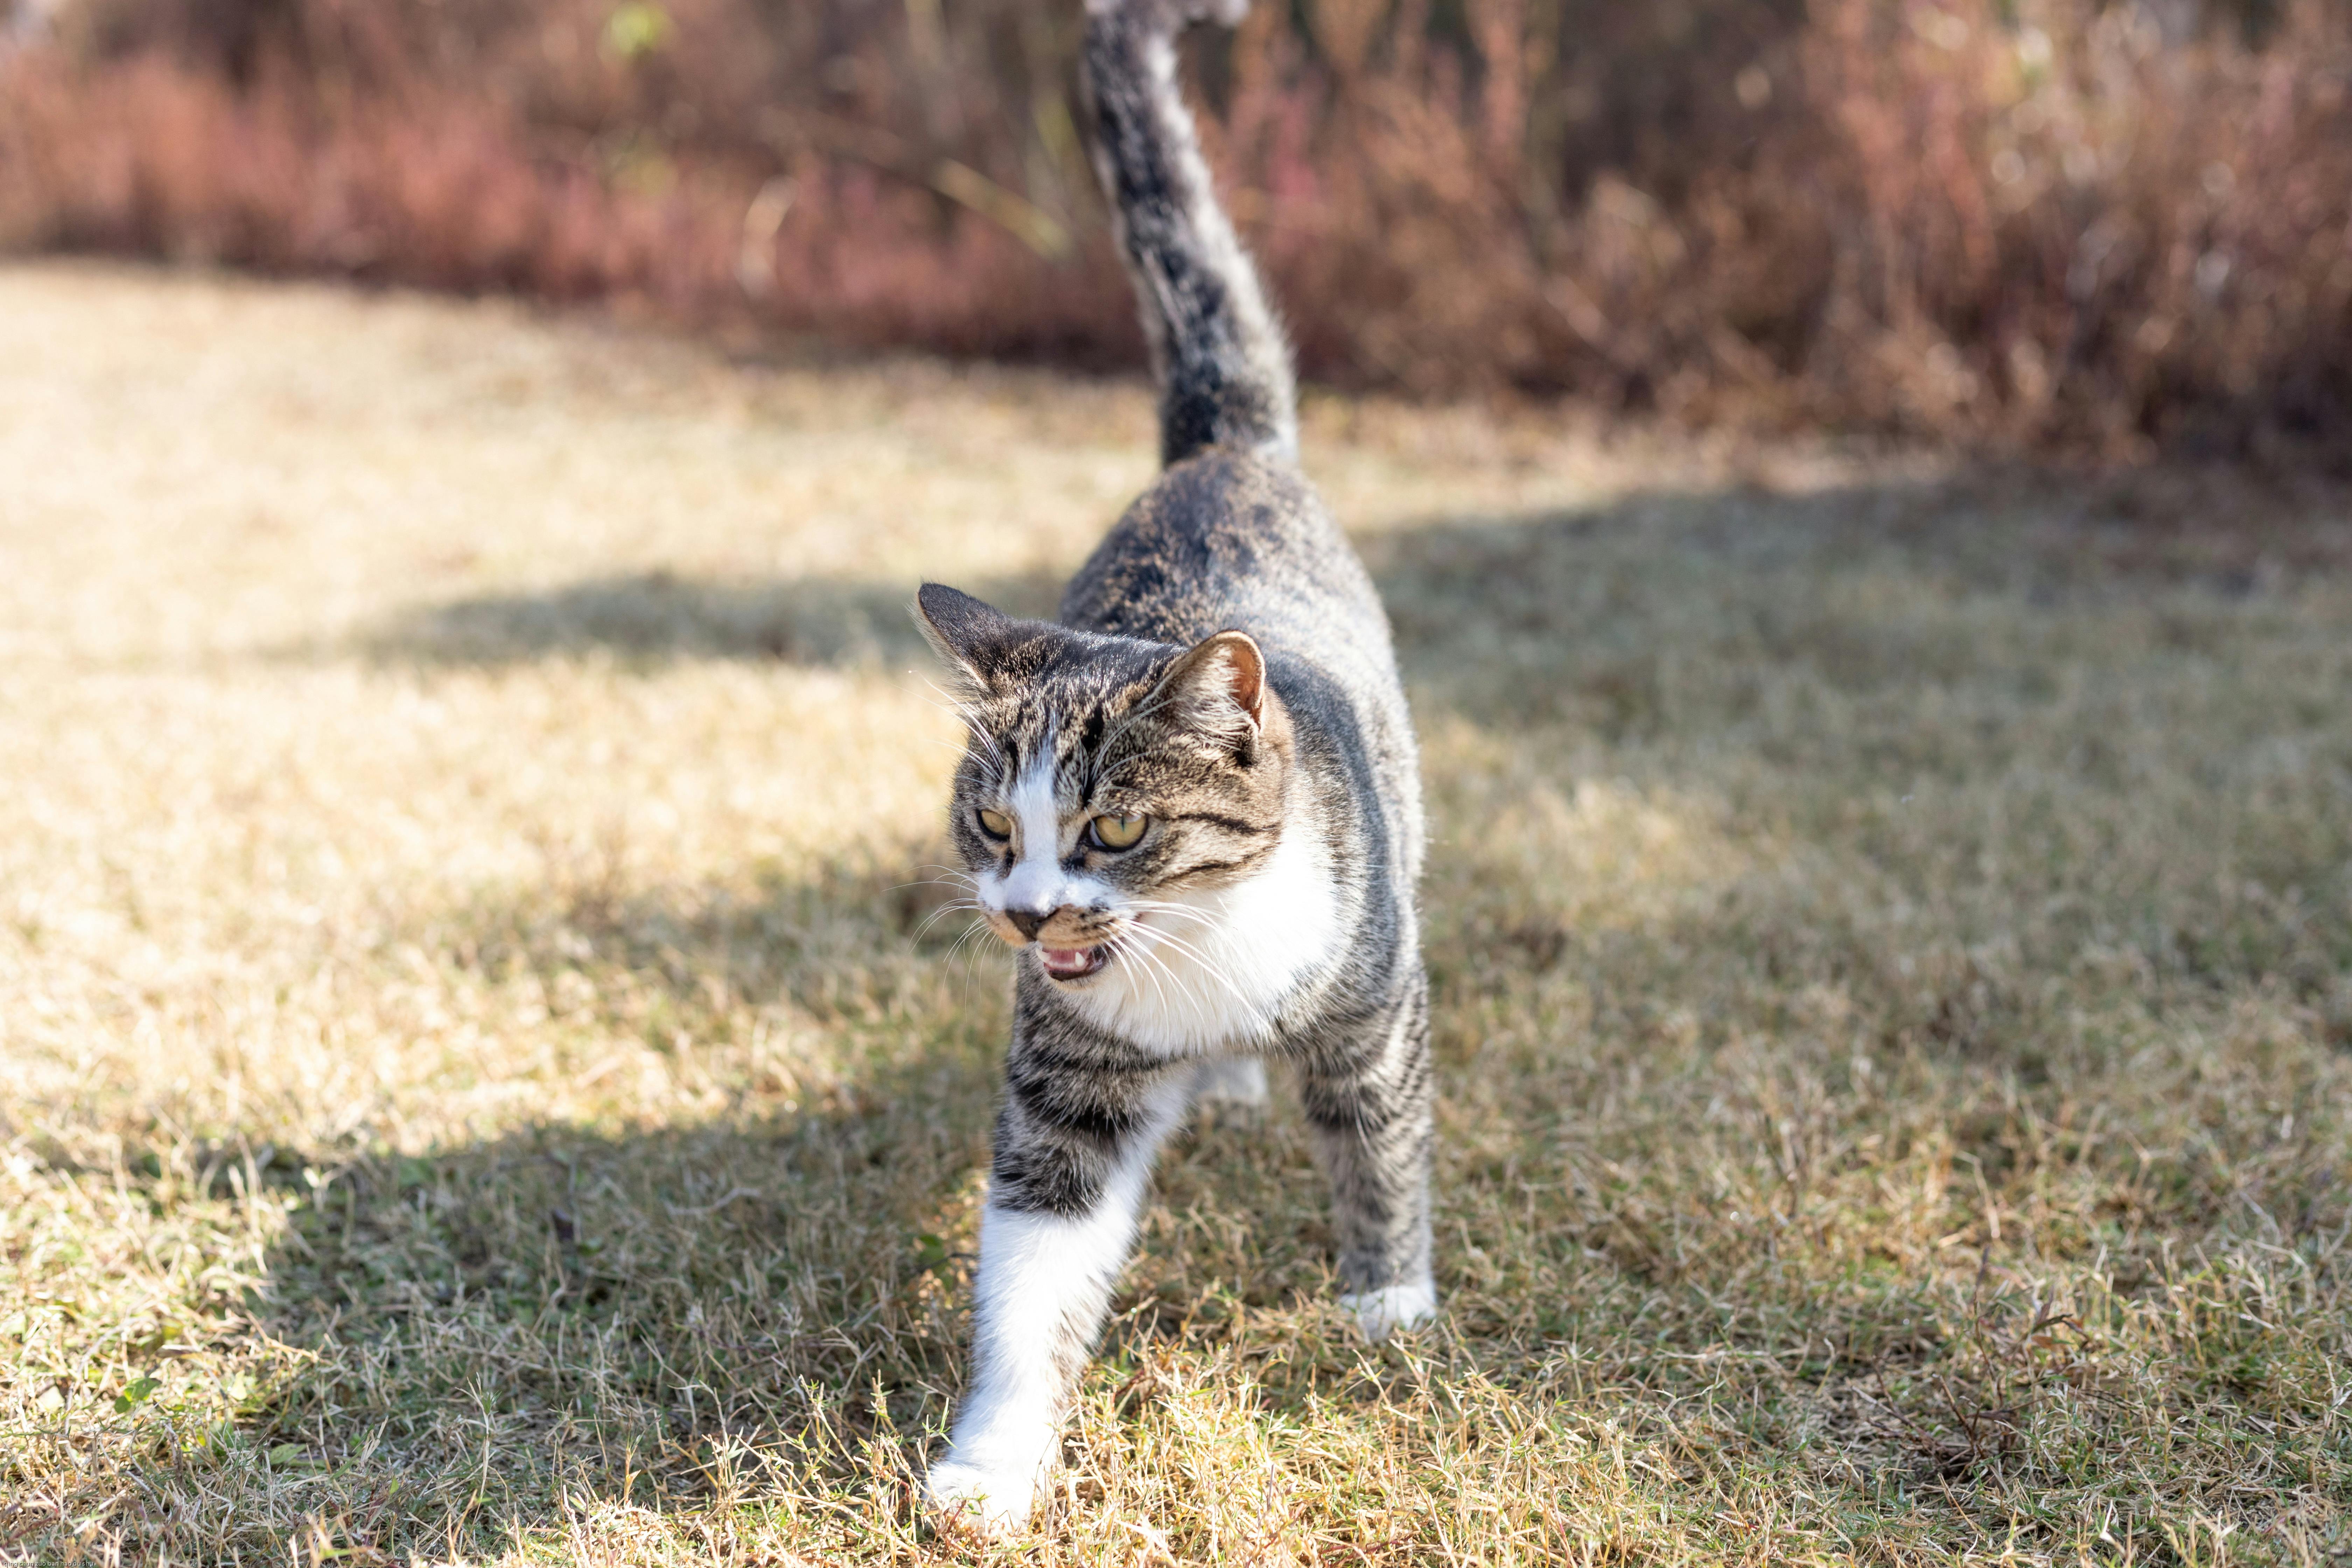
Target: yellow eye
{"points": [[995, 823], [1118, 832]]}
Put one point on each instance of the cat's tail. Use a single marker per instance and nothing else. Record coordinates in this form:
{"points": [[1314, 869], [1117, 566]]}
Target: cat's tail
{"points": [[1223, 367]]}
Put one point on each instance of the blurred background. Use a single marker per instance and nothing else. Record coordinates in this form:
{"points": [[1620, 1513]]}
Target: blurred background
{"points": [[2022, 223]]}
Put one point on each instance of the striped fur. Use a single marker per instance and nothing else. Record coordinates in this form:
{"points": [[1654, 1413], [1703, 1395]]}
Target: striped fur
{"points": [[1221, 667], [1224, 369]]}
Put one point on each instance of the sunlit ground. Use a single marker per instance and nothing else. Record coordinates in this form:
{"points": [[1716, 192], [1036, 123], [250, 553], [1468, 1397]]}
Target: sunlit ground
{"points": [[476, 1079]]}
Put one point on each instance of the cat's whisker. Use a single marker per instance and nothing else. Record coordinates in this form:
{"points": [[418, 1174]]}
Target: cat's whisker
{"points": [[1210, 968], [1259, 1020], [988, 770], [1186, 910], [1214, 932], [1184, 993], [1124, 949], [981, 748], [1162, 935], [949, 878], [968, 950], [950, 706], [962, 906], [966, 711], [954, 878]]}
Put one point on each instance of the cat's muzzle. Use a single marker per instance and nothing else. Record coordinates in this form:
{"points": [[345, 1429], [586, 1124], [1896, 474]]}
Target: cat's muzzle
{"points": [[1051, 933]]}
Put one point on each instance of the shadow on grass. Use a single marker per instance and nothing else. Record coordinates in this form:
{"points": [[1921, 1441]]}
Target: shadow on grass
{"points": [[757, 1287], [658, 617], [1458, 586]]}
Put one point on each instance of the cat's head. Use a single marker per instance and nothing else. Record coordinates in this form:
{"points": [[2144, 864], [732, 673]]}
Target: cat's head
{"points": [[1106, 782]]}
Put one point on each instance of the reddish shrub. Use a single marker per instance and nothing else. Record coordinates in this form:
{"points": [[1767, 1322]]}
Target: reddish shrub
{"points": [[2032, 221]]}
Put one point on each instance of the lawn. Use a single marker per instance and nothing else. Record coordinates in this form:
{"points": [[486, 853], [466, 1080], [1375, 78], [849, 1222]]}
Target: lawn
{"points": [[480, 1075]]}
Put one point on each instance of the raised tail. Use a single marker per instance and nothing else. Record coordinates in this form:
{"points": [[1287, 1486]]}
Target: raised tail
{"points": [[1223, 368]]}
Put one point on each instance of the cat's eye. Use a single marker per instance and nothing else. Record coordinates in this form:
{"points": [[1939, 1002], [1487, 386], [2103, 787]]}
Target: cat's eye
{"points": [[995, 823], [1118, 832]]}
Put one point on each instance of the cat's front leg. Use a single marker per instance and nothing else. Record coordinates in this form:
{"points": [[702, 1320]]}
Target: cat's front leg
{"points": [[1369, 1098], [1074, 1152]]}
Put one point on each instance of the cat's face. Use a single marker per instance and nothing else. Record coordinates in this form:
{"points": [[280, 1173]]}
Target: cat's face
{"points": [[1108, 786]]}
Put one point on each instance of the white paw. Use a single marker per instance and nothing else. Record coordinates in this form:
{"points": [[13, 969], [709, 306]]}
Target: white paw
{"points": [[1379, 1312], [994, 1504]]}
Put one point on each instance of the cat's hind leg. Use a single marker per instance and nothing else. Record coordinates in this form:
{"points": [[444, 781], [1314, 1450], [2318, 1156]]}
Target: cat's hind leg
{"points": [[1368, 1098]]}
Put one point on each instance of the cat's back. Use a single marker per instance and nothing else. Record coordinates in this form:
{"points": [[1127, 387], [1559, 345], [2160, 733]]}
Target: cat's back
{"points": [[1227, 541]]}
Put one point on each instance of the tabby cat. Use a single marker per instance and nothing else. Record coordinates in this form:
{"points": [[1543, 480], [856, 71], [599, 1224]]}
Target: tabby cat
{"points": [[1192, 804]]}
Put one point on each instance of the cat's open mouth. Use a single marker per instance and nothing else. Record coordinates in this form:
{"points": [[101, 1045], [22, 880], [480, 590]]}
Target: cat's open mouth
{"points": [[1073, 962]]}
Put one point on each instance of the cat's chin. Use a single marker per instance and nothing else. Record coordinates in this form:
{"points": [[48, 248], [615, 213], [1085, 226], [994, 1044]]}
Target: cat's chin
{"points": [[1073, 964]]}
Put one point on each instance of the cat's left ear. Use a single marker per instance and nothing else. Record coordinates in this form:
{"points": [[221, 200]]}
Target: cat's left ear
{"points": [[1219, 684], [963, 631]]}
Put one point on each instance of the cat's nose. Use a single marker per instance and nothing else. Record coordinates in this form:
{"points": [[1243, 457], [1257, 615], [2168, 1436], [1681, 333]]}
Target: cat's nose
{"points": [[1028, 920]]}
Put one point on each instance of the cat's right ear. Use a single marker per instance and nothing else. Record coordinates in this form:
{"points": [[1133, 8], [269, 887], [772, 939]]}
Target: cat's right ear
{"points": [[967, 634]]}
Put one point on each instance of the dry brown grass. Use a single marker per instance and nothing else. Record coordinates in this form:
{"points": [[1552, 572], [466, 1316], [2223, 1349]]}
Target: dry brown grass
{"points": [[472, 1086]]}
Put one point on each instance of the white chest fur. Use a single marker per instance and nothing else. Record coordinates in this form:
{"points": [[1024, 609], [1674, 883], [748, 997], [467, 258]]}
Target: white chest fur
{"points": [[1207, 971]]}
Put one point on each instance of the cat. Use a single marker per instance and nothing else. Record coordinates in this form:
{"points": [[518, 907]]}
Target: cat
{"points": [[1193, 803]]}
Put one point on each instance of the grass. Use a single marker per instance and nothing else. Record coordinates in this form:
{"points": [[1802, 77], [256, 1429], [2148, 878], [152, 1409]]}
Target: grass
{"points": [[476, 1082]]}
